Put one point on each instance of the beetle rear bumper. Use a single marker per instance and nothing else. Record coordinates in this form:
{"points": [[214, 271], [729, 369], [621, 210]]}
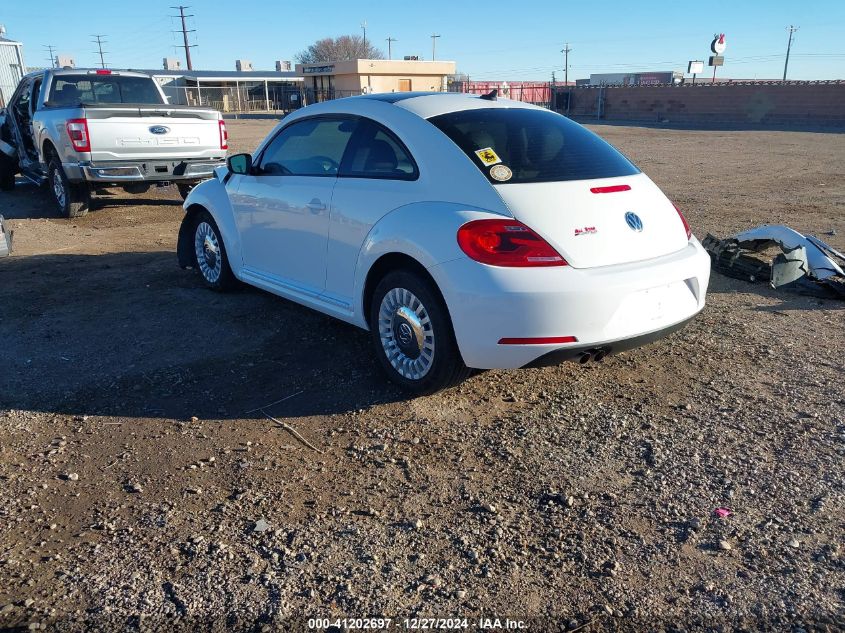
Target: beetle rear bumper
{"points": [[605, 349], [612, 308]]}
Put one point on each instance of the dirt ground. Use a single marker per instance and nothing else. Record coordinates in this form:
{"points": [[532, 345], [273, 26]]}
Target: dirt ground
{"points": [[141, 489]]}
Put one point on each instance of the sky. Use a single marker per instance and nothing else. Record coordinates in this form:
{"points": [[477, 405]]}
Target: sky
{"points": [[492, 40]]}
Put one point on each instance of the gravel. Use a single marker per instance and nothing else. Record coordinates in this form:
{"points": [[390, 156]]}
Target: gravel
{"points": [[579, 496]]}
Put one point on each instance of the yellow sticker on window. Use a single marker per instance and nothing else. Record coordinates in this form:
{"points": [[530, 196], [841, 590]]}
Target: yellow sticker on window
{"points": [[488, 156]]}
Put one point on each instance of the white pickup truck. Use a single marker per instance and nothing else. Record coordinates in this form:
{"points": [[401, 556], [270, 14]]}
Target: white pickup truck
{"points": [[83, 130]]}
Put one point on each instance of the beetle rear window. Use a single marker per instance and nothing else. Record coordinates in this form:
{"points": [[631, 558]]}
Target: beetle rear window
{"points": [[534, 146]]}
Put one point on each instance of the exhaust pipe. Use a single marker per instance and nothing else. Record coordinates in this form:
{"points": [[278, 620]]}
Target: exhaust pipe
{"points": [[599, 355], [585, 358]]}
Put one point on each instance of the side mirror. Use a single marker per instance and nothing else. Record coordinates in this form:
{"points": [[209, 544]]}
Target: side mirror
{"points": [[240, 164]]}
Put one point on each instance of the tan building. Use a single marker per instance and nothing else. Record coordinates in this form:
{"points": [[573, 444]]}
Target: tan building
{"points": [[330, 80]]}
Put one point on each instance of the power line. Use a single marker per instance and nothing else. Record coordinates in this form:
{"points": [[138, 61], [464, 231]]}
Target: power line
{"points": [[50, 48], [390, 41], [434, 37], [791, 30], [770, 58], [99, 42], [185, 32]]}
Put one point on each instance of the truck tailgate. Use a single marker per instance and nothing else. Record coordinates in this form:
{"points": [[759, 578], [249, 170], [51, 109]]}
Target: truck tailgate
{"points": [[149, 132]]}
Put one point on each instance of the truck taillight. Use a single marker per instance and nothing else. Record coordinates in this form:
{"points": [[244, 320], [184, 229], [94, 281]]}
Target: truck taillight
{"points": [[77, 131], [224, 135]]}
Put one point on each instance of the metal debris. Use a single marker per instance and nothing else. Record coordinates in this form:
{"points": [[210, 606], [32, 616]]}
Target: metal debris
{"points": [[5, 148], [805, 263]]}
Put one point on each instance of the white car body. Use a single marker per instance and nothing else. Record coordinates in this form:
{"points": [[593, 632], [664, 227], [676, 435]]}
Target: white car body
{"points": [[317, 241]]}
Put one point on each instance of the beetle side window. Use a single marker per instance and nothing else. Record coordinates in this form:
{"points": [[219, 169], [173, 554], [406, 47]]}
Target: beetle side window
{"points": [[376, 153], [313, 147]]}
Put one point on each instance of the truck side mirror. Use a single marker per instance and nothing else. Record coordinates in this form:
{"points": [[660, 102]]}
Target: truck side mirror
{"points": [[240, 164]]}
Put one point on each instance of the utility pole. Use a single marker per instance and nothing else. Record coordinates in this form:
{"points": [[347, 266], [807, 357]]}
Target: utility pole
{"points": [[364, 26], [390, 41], [566, 50], [434, 37], [99, 42], [50, 48], [791, 30], [185, 32]]}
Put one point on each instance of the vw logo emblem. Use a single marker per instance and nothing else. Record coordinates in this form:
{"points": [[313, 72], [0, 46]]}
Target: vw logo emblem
{"points": [[159, 129], [405, 334], [634, 221]]}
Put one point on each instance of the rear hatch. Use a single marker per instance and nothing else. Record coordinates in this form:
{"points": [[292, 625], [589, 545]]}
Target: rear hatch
{"points": [[589, 222], [127, 132], [567, 184]]}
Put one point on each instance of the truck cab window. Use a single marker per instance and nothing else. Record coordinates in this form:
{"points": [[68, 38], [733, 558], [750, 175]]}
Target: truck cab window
{"points": [[69, 90], [36, 91]]}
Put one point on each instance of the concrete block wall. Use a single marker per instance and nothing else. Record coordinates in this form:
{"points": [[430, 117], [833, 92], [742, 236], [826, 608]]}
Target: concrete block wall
{"points": [[789, 104]]}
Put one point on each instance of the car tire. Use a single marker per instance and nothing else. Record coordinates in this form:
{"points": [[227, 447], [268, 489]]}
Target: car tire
{"points": [[185, 189], [412, 334], [8, 169], [210, 256], [72, 199]]}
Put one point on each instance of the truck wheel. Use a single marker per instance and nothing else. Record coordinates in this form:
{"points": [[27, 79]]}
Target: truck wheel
{"points": [[72, 199], [185, 189], [8, 169]]}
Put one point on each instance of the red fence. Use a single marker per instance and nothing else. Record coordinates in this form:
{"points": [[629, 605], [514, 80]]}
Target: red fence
{"points": [[535, 92]]}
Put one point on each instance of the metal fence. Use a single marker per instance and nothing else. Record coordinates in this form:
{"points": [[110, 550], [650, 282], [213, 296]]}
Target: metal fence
{"points": [[253, 97], [260, 96], [246, 97]]}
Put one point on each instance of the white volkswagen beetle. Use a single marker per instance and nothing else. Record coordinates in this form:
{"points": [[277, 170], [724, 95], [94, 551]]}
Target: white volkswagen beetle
{"points": [[462, 231]]}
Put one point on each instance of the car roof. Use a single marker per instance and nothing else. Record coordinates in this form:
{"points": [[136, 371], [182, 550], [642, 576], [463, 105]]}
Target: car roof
{"points": [[429, 104], [393, 97]]}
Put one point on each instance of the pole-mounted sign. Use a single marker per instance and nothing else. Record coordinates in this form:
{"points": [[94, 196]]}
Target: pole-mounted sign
{"points": [[694, 68], [718, 46]]}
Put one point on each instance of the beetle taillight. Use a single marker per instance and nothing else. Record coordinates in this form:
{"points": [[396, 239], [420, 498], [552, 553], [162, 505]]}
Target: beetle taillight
{"points": [[77, 131], [684, 220], [506, 243]]}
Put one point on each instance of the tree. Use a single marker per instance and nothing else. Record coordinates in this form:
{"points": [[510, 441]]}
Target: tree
{"points": [[339, 49]]}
